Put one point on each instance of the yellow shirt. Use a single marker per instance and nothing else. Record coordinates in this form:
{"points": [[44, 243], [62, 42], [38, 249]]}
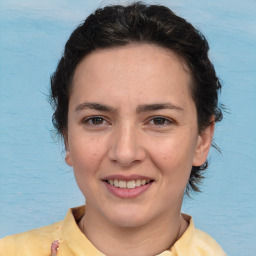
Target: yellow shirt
{"points": [[73, 242]]}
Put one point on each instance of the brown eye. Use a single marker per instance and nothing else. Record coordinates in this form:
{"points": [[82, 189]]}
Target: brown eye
{"points": [[160, 121], [96, 120]]}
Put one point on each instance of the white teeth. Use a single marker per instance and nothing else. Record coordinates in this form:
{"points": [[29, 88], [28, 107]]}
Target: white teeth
{"points": [[138, 183], [128, 184], [122, 184]]}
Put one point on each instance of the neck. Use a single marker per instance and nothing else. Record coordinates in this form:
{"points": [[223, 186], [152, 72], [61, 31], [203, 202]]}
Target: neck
{"points": [[139, 241]]}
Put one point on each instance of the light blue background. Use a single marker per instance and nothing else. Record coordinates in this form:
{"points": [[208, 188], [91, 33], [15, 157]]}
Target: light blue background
{"points": [[37, 188]]}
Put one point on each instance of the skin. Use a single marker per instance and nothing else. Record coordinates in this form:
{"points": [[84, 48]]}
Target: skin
{"points": [[129, 138]]}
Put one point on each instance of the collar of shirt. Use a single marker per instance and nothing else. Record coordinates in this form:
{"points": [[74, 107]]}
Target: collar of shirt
{"points": [[80, 245]]}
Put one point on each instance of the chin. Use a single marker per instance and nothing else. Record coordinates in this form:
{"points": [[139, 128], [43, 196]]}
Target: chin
{"points": [[129, 218], [129, 222]]}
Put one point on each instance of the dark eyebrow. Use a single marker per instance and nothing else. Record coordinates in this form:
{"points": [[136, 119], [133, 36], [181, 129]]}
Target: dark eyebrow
{"points": [[157, 106], [96, 106]]}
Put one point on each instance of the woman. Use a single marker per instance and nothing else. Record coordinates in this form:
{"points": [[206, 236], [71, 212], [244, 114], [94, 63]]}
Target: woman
{"points": [[136, 100]]}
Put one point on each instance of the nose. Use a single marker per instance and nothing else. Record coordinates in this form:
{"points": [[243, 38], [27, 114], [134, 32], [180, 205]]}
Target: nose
{"points": [[126, 146]]}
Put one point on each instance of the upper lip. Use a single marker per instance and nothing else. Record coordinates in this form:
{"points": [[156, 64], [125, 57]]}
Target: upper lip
{"points": [[126, 177]]}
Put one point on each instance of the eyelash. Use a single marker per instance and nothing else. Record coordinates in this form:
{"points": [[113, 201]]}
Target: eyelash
{"points": [[89, 120], [162, 119], [152, 121]]}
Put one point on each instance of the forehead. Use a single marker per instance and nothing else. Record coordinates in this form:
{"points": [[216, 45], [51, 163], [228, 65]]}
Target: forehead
{"points": [[137, 69]]}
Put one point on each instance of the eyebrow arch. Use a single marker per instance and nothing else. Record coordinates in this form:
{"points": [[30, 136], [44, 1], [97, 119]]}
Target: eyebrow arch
{"points": [[157, 106], [95, 106]]}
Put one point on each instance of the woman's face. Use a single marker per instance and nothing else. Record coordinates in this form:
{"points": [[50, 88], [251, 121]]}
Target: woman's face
{"points": [[132, 134]]}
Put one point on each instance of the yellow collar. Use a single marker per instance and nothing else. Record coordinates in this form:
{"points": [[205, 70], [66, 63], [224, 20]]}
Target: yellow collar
{"points": [[78, 242]]}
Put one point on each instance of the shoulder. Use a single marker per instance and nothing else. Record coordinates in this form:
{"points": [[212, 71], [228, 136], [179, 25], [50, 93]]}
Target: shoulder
{"points": [[196, 242], [206, 245], [27, 243]]}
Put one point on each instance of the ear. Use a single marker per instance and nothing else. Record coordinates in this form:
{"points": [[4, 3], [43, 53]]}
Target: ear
{"points": [[68, 158], [204, 142]]}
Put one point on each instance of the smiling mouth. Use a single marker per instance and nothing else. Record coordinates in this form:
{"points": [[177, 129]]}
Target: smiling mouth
{"points": [[128, 184]]}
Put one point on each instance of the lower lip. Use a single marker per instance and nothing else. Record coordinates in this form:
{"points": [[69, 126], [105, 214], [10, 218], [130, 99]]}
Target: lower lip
{"points": [[128, 192]]}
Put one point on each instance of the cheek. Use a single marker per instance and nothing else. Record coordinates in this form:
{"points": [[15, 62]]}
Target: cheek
{"points": [[86, 156], [175, 167], [170, 149], [174, 156]]}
